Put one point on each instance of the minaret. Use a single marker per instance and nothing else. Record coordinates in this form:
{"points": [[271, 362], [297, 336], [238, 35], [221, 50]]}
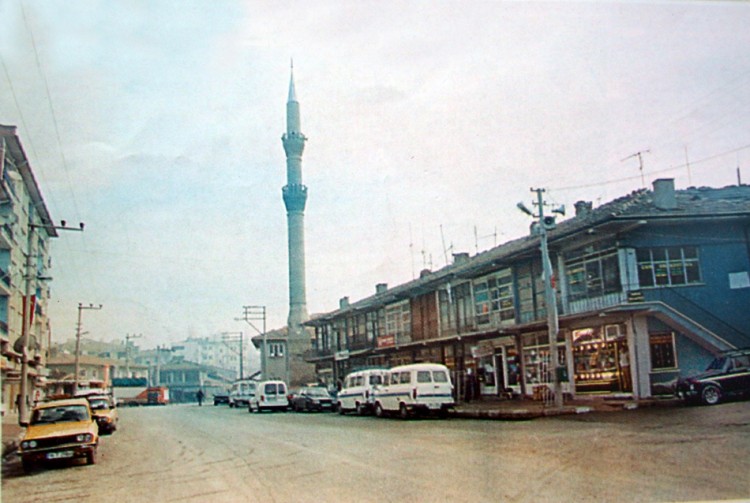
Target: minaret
{"points": [[295, 197]]}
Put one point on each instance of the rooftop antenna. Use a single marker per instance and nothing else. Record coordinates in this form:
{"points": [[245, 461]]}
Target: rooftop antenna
{"points": [[687, 163], [411, 252], [639, 155]]}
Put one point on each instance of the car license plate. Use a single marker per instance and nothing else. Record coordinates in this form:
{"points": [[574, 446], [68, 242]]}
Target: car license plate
{"points": [[60, 455], [433, 406]]}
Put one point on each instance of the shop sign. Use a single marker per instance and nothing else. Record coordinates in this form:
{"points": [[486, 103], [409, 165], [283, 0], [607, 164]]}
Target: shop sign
{"points": [[482, 350], [341, 355], [635, 296], [386, 341]]}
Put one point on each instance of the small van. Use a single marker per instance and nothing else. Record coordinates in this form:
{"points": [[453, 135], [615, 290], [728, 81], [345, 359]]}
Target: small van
{"points": [[414, 389], [269, 395], [241, 393], [356, 393]]}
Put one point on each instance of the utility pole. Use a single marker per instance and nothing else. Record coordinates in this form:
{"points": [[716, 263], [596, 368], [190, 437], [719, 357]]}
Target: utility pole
{"points": [[26, 324], [258, 313], [544, 224], [128, 338], [81, 307], [238, 337]]}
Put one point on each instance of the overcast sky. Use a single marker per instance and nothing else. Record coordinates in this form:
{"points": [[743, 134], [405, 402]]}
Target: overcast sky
{"points": [[158, 124]]}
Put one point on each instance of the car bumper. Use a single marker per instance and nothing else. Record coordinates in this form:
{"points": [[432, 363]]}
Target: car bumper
{"points": [[57, 453]]}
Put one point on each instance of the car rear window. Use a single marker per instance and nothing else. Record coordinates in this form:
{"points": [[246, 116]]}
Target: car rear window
{"points": [[270, 389], [376, 379], [439, 376], [424, 376]]}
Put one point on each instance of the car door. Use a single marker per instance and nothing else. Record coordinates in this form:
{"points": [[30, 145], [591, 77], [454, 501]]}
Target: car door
{"points": [[738, 379]]}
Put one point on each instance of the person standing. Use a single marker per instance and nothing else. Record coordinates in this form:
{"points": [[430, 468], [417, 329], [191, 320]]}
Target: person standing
{"points": [[200, 396]]}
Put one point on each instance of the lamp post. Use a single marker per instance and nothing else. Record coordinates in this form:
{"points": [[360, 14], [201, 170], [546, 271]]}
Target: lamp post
{"points": [[238, 337], [258, 313], [544, 224], [81, 307], [28, 309]]}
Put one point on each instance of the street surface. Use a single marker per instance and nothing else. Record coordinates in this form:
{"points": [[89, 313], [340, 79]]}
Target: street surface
{"points": [[191, 453]]}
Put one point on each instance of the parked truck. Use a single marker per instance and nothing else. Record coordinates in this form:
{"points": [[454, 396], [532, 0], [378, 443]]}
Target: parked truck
{"points": [[136, 391]]}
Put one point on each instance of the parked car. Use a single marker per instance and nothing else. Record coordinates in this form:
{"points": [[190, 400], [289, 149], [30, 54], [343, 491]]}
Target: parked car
{"points": [[312, 398], [59, 430], [242, 392], [104, 412], [727, 376], [357, 391], [220, 398], [269, 395], [415, 389]]}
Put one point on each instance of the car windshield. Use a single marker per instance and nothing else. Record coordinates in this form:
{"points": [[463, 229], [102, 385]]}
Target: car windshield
{"points": [[718, 363], [99, 404], [62, 414], [322, 392]]}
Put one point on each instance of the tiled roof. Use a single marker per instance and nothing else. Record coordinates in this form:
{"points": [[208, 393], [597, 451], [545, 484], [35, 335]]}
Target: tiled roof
{"points": [[690, 203]]}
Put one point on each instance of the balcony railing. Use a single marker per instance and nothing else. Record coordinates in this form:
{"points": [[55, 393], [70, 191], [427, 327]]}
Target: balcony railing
{"points": [[596, 303]]}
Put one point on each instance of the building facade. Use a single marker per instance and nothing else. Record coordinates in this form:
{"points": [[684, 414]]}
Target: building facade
{"points": [[217, 351], [649, 287], [26, 230]]}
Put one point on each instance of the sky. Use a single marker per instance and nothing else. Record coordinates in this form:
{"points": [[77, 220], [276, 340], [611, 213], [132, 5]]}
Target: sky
{"points": [[159, 125]]}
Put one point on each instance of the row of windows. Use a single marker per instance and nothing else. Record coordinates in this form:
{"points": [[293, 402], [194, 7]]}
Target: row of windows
{"points": [[590, 272]]}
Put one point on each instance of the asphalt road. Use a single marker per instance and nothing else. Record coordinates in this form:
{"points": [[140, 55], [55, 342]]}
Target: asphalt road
{"points": [[191, 453]]}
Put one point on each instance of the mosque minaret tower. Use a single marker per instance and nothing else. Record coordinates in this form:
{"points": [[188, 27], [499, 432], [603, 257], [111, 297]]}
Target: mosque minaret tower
{"points": [[295, 197]]}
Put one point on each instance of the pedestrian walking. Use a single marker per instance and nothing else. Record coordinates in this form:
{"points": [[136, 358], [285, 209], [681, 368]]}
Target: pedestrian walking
{"points": [[200, 396]]}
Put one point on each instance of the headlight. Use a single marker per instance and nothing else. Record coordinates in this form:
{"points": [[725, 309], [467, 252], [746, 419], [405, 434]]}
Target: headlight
{"points": [[85, 437], [28, 444]]}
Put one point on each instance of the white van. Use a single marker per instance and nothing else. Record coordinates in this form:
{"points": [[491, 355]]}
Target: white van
{"points": [[357, 391], [241, 393], [415, 388], [269, 395]]}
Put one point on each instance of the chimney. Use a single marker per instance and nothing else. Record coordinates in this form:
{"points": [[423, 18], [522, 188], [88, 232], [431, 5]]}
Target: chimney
{"points": [[343, 302], [381, 288], [664, 197], [460, 258], [424, 272], [583, 208]]}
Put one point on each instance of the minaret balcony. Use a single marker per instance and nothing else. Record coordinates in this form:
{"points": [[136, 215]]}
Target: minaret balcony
{"points": [[295, 196], [294, 143]]}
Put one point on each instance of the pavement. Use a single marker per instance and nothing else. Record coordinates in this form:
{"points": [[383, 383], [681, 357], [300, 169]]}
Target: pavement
{"points": [[12, 433], [516, 409], [524, 409]]}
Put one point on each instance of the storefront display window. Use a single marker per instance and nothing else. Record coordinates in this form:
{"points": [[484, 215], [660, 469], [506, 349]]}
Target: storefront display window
{"points": [[536, 358], [662, 351], [600, 356]]}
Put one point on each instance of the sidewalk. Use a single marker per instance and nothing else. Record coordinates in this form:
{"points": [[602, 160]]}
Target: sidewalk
{"points": [[523, 409], [12, 433]]}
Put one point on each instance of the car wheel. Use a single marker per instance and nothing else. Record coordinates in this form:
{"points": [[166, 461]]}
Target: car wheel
{"points": [[711, 395], [379, 412], [403, 412], [28, 465], [91, 457], [360, 409], [341, 409]]}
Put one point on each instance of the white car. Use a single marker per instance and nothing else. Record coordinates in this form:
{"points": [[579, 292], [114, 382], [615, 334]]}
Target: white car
{"points": [[357, 392], [416, 388], [270, 395], [241, 393]]}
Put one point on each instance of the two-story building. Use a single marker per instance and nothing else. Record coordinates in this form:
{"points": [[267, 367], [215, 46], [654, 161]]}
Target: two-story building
{"points": [[649, 287], [25, 233]]}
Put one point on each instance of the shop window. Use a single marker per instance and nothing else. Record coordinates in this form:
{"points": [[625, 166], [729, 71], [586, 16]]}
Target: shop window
{"points": [[536, 357], [600, 359], [668, 266], [593, 274], [494, 294], [663, 356]]}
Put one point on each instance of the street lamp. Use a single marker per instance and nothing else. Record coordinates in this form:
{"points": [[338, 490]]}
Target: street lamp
{"points": [[239, 337], [544, 224], [258, 313], [81, 307], [26, 324]]}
